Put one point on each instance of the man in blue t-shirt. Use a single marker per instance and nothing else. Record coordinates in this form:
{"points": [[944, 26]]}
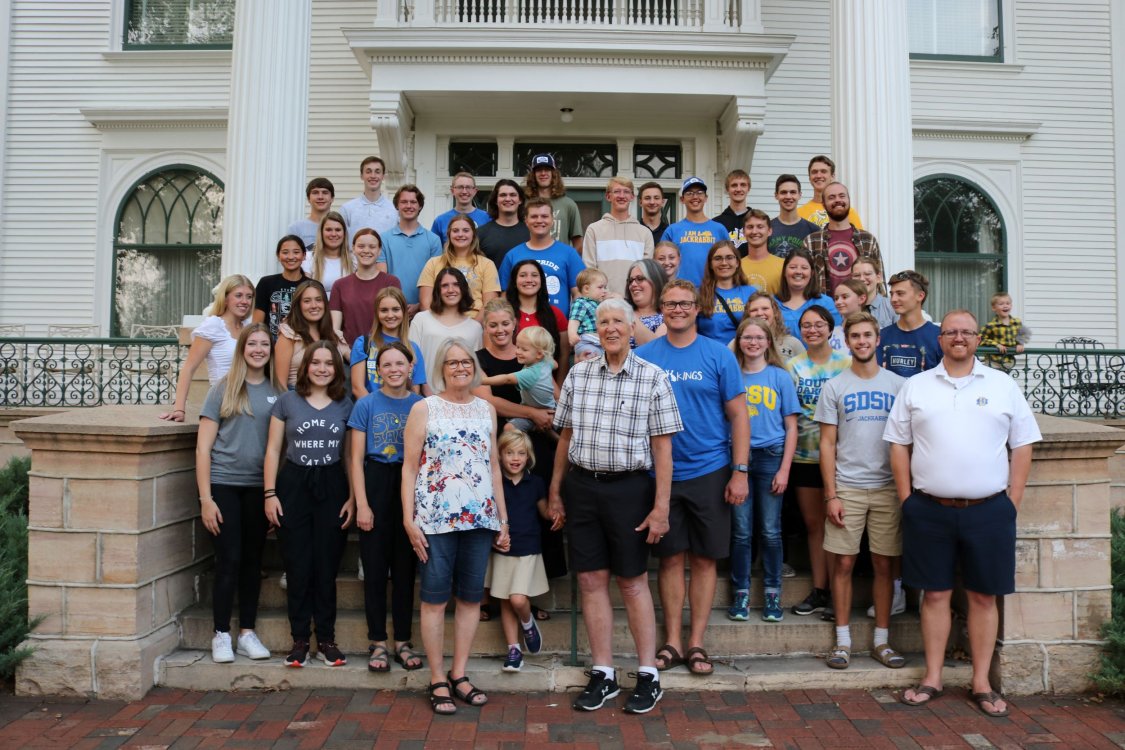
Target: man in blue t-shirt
{"points": [[911, 345], [561, 263], [464, 191], [710, 460], [694, 234]]}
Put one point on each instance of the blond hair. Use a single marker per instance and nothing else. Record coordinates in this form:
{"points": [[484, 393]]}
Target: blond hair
{"points": [[347, 262], [517, 438], [589, 276], [541, 341], [225, 287], [236, 397]]}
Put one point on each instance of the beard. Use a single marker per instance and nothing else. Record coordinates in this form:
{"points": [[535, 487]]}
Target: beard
{"points": [[838, 214]]}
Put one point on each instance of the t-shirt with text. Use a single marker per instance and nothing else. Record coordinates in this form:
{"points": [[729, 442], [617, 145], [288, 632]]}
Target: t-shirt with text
{"points": [[313, 437], [770, 397], [561, 265], [694, 241], [383, 420], [908, 353], [859, 408], [810, 378]]}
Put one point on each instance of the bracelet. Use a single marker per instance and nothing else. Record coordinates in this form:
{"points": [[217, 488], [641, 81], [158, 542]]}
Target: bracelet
{"points": [[504, 523], [270, 493], [181, 411], [830, 499], [205, 499]]}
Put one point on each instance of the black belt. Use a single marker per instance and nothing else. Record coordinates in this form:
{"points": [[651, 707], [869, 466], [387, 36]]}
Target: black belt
{"points": [[606, 476], [956, 502]]}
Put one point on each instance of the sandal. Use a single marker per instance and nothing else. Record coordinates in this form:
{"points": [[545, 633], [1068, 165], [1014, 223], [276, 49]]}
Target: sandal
{"points": [[839, 658], [666, 662], [469, 697], [442, 705], [378, 659], [931, 693], [404, 654], [698, 662], [990, 697], [888, 657], [540, 614]]}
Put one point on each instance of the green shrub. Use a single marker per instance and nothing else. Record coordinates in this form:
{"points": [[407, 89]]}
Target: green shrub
{"points": [[14, 625], [1111, 677]]}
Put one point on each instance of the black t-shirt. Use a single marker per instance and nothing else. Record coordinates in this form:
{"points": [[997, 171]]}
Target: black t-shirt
{"points": [[658, 233], [273, 296], [496, 241], [521, 501], [734, 222], [494, 366]]}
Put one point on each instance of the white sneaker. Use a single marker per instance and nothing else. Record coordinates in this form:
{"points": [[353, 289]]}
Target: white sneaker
{"points": [[787, 571], [359, 573], [221, 652], [898, 605], [249, 645], [283, 583]]}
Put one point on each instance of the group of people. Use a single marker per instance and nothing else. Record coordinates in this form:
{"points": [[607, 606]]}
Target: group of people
{"points": [[465, 394]]}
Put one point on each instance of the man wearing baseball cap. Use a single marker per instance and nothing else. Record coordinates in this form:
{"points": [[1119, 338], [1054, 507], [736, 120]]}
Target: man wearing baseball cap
{"points": [[545, 181], [695, 234]]}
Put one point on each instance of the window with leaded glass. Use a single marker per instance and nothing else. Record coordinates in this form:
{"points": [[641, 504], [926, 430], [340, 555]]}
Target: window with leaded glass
{"points": [[959, 244], [167, 248], [179, 23], [956, 30], [478, 159], [657, 162], [573, 159]]}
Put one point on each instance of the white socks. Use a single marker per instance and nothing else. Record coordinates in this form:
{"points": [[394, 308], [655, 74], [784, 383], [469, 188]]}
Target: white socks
{"points": [[650, 670], [882, 635], [844, 636], [609, 672]]}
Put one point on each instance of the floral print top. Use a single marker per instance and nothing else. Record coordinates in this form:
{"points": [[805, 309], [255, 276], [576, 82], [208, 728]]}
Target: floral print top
{"points": [[454, 487]]}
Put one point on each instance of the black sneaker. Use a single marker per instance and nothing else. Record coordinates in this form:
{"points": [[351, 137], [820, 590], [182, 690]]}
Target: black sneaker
{"points": [[829, 614], [816, 601], [597, 692], [329, 653], [645, 695], [298, 655]]}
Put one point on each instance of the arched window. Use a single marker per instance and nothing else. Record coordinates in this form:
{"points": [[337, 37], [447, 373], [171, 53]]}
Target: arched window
{"points": [[166, 249], [959, 244]]}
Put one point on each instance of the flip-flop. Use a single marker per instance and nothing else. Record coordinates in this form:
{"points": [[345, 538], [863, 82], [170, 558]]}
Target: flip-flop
{"points": [[990, 697], [696, 657], [932, 692], [664, 663]]}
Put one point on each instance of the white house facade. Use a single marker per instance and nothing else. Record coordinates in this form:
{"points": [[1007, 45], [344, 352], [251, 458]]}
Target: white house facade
{"points": [[152, 145]]}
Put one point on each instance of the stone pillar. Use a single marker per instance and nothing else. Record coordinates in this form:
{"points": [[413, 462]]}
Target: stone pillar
{"points": [[267, 132], [871, 132], [114, 550], [1050, 631]]}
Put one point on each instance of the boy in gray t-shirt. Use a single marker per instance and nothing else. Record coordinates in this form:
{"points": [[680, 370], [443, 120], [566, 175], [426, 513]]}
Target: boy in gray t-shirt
{"points": [[859, 489]]}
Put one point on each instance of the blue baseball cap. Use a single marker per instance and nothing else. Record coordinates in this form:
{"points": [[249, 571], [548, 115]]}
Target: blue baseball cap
{"points": [[693, 182], [542, 160]]}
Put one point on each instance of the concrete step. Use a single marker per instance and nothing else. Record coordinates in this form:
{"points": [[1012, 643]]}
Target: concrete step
{"points": [[725, 638], [349, 591], [194, 670]]}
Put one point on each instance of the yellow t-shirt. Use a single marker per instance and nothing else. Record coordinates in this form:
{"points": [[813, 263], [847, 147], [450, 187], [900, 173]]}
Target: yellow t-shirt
{"points": [[482, 277], [814, 212], [764, 274]]}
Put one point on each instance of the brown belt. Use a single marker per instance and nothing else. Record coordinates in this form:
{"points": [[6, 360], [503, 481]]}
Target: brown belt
{"points": [[956, 502]]}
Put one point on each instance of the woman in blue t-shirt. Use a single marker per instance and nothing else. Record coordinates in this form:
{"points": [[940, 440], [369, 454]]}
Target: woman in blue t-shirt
{"points": [[377, 426], [771, 399], [390, 325], [723, 294], [800, 290]]}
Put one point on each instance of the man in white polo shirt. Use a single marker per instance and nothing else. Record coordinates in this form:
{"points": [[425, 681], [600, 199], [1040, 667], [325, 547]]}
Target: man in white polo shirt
{"points": [[950, 432]]}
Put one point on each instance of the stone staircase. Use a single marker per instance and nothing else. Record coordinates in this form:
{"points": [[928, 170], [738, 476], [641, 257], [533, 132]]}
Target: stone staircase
{"points": [[753, 655]]}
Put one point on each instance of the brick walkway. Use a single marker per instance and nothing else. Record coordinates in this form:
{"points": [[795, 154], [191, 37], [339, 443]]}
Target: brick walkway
{"points": [[363, 719]]}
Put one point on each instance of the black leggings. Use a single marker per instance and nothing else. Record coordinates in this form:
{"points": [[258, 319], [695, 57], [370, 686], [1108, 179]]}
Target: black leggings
{"points": [[238, 554], [386, 545], [312, 544]]}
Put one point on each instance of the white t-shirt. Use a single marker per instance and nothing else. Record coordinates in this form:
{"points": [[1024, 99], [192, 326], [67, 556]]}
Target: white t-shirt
{"points": [[214, 329], [333, 270], [428, 332], [961, 430]]}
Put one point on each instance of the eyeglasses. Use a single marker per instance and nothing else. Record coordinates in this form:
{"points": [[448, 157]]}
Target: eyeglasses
{"points": [[682, 305], [462, 364], [961, 333], [636, 279], [820, 326], [752, 338], [694, 193], [622, 193], [724, 259]]}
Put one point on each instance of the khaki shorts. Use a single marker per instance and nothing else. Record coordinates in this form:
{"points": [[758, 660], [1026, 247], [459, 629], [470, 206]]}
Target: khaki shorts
{"points": [[878, 510]]}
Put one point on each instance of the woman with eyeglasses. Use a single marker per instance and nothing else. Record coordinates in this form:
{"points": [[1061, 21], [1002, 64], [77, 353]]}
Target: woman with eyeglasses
{"points": [[643, 285], [723, 294], [810, 370], [800, 290]]}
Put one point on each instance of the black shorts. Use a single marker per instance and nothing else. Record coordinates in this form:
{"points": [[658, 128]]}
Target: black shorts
{"points": [[698, 518], [981, 538], [601, 522], [806, 475]]}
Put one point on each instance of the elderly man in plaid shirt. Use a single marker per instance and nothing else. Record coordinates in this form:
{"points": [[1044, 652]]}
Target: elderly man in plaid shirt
{"points": [[616, 416]]}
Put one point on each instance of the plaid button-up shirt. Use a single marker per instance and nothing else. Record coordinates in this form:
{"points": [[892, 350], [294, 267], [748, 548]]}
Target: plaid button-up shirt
{"points": [[866, 248]]}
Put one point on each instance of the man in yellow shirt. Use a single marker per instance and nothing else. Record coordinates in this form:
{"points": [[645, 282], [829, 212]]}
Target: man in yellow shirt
{"points": [[762, 269]]}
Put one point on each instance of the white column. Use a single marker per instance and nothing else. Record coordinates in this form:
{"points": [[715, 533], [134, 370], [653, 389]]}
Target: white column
{"points": [[267, 132], [871, 132]]}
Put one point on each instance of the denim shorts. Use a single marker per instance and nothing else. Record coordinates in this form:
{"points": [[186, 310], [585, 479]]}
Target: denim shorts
{"points": [[456, 566]]}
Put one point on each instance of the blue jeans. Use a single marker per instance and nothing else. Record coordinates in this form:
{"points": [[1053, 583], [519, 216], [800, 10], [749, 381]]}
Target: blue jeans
{"points": [[763, 506]]}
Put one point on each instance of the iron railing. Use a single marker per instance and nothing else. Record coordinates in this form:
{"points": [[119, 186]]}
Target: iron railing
{"points": [[75, 372], [1067, 382]]}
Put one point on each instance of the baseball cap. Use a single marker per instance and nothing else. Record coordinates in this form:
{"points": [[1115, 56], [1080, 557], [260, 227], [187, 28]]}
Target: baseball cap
{"points": [[693, 182], [542, 160]]}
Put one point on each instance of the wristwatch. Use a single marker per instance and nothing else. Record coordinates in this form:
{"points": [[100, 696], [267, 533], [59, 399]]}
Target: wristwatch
{"points": [[744, 468]]}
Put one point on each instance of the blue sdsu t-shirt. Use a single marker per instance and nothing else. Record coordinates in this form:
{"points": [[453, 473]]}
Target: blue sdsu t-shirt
{"points": [[719, 326], [704, 376], [383, 420], [694, 241], [770, 397], [908, 353], [560, 263], [374, 382]]}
